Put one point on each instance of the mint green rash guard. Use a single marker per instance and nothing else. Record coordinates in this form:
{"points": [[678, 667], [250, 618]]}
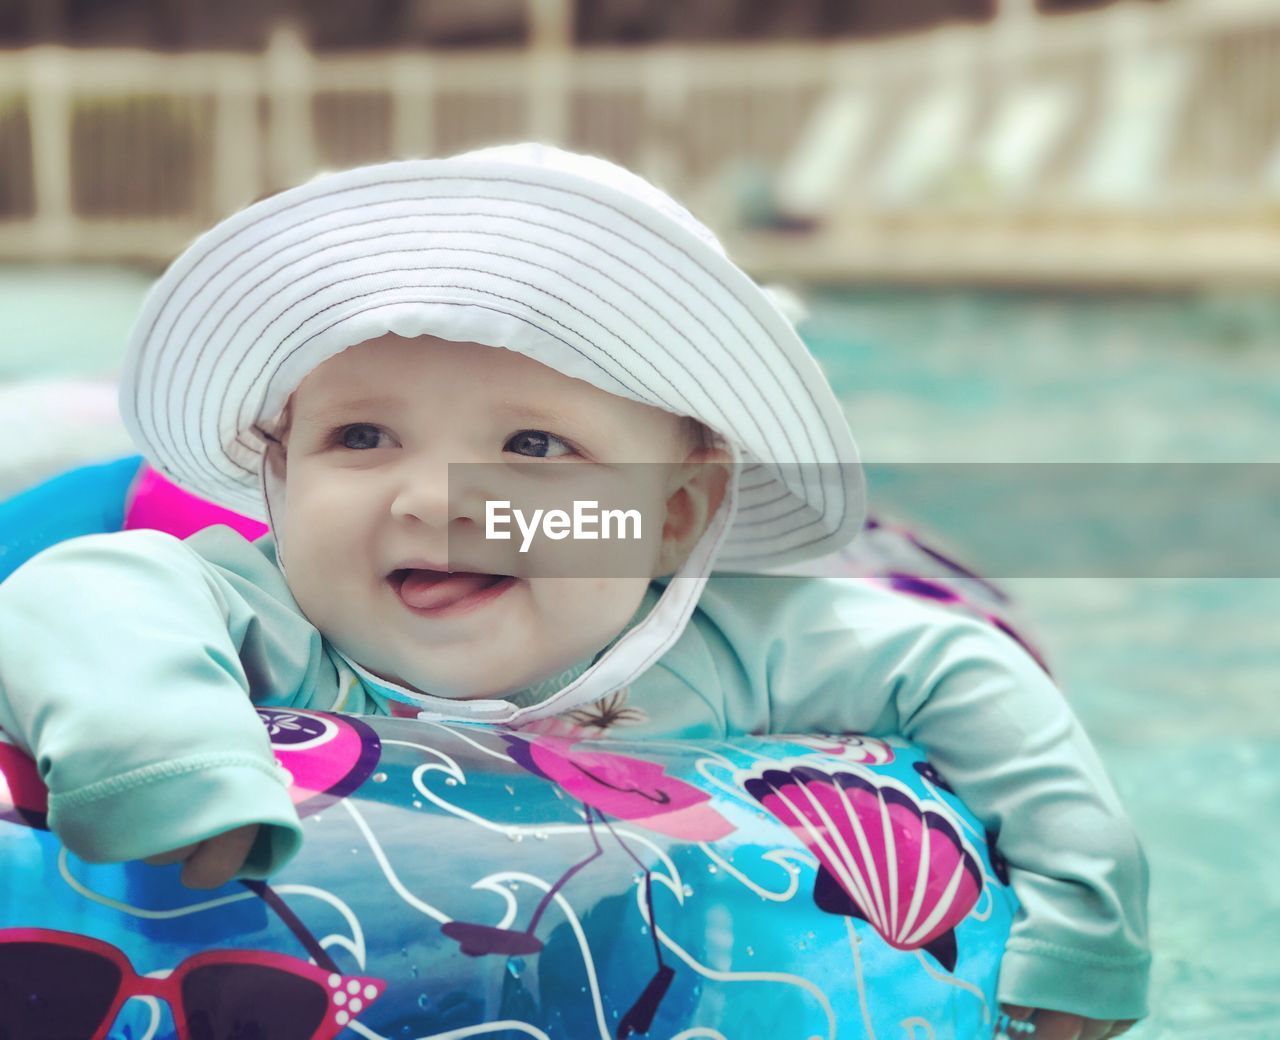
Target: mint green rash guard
{"points": [[130, 665]]}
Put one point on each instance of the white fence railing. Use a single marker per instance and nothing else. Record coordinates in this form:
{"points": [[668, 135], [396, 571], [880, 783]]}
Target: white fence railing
{"points": [[1151, 111]]}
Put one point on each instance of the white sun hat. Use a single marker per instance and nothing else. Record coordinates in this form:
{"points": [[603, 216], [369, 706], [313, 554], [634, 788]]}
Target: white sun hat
{"points": [[568, 259]]}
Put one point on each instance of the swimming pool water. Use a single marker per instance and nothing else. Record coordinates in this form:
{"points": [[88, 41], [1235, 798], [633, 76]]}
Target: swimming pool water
{"points": [[1176, 680]]}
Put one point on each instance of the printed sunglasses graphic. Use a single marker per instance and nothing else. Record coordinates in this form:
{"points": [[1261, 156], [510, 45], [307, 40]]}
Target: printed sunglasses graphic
{"points": [[72, 987], [58, 985]]}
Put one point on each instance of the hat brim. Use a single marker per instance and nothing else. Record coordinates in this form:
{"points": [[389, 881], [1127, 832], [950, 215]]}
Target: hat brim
{"points": [[574, 273]]}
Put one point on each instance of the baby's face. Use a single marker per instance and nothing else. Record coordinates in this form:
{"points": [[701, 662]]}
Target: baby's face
{"points": [[371, 529]]}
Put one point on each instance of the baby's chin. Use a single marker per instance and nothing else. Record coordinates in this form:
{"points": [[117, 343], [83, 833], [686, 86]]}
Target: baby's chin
{"points": [[507, 667]]}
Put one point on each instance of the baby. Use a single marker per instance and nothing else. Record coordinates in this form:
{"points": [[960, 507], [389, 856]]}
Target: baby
{"points": [[372, 361]]}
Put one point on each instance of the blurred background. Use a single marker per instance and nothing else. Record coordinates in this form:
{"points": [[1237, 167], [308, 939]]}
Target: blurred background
{"points": [[1034, 231]]}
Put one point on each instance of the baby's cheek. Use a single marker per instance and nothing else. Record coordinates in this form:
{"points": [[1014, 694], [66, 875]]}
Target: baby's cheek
{"points": [[315, 490], [587, 612]]}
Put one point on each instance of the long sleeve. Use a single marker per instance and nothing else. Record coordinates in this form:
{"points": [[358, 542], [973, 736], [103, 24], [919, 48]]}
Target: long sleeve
{"points": [[835, 656], [130, 665]]}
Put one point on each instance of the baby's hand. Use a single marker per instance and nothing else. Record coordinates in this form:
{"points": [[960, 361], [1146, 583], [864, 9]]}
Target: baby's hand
{"points": [[1043, 1024], [213, 862]]}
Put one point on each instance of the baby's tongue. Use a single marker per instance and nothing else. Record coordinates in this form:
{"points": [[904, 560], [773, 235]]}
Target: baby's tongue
{"points": [[428, 590]]}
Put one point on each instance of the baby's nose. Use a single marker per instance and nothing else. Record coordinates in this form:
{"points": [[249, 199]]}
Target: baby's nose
{"points": [[430, 496]]}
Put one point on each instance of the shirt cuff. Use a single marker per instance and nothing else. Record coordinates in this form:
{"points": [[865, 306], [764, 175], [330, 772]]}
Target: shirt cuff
{"points": [[164, 806], [1041, 975]]}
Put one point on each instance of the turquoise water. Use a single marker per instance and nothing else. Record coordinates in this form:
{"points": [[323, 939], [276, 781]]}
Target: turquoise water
{"points": [[1176, 680]]}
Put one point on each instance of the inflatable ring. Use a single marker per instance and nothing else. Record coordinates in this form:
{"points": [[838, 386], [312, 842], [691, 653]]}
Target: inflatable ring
{"points": [[471, 880]]}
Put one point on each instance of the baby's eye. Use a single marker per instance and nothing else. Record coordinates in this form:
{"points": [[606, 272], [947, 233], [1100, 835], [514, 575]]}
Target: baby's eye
{"points": [[357, 436], [538, 444]]}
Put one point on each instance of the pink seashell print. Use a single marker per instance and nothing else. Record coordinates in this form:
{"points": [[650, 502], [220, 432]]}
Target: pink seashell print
{"points": [[883, 856]]}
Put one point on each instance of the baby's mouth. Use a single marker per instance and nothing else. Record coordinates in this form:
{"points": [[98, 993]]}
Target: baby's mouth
{"points": [[439, 592]]}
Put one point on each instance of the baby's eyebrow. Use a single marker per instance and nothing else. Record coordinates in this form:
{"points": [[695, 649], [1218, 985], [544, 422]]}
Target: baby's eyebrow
{"points": [[347, 405], [584, 426], [534, 413]]}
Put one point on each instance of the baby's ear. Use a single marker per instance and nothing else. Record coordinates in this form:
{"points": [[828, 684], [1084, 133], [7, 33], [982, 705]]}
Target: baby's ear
{"points": [[694, 493], [279, 429]]}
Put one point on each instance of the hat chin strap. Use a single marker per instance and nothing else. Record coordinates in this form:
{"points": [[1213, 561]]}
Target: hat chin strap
{"points": [[622, 663]]}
